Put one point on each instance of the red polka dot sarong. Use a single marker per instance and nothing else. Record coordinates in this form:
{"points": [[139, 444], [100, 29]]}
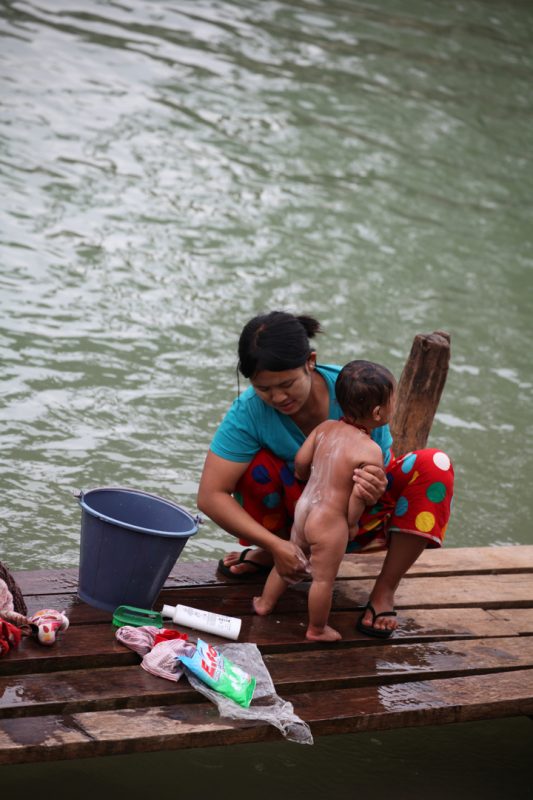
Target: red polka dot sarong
{"points": [[417, 499], [268, 491]]}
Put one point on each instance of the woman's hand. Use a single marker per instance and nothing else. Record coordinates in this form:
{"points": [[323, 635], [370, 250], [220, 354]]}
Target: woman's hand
{"points": [[215, 499], [370, 483], [290, 561]]}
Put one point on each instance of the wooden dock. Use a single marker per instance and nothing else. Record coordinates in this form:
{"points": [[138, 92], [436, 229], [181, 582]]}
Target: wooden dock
{"points": [[463, 652]]}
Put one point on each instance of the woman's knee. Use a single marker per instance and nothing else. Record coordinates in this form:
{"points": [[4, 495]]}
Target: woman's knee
{"points": [[421, 490], [427, 466]]}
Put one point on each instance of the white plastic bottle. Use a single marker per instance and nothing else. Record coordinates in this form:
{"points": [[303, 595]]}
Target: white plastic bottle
{"points": [[201, 620]]}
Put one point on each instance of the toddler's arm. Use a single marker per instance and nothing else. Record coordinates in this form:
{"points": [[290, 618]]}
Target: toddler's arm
{"points": [[356, 506], [304, 457]]}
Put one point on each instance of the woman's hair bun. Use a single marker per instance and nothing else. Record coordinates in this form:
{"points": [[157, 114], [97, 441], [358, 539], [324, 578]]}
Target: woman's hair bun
{"points": [[312, 326]]}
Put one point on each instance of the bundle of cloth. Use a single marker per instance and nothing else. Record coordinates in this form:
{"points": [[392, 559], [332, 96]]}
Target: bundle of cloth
{"points": [[13, 620]]}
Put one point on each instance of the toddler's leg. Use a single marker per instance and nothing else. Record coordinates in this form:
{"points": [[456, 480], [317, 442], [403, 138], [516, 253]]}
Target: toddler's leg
{"points": [[326, 556], [319, 605], [272, 591]]}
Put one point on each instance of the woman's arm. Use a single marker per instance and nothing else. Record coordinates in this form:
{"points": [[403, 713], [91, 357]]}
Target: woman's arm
{"points": [[215, 499]]}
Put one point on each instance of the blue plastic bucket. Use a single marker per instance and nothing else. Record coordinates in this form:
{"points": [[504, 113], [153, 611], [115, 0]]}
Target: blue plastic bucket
{"points": [[130, 540]]}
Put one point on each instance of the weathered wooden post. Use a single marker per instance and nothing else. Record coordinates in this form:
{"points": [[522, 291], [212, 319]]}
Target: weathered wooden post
{"points": [[419, 391]]}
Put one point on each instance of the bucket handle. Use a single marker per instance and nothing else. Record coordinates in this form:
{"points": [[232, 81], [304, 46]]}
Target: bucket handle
{"points": [[78, 495]]}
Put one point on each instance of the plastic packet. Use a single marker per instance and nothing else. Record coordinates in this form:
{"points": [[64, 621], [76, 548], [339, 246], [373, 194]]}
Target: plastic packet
{"points": [[267, 706], [220, 674]]}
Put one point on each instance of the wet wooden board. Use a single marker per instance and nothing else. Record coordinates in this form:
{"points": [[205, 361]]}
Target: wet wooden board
{"points": [[97, 644], [499, 590], [448, 561], [127, 686], [430, 702], [464, 651]]}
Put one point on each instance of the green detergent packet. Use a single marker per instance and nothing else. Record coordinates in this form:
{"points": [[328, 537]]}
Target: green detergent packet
{"points": [[221, 674]]}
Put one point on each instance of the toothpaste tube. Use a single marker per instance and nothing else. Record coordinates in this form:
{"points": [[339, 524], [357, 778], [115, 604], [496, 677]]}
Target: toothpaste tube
{"points": [[220, 674]]}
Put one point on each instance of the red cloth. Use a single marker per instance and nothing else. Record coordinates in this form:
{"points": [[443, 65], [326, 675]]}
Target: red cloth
{"points": [[165, 635], [417, 499], [9, 636]]}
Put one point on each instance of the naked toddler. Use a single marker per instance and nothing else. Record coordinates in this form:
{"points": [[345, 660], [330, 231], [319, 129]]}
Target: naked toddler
{"points": [[328, 510]]}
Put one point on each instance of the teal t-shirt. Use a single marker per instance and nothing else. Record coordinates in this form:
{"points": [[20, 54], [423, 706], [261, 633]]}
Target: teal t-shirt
{"points": [[251, 425]]}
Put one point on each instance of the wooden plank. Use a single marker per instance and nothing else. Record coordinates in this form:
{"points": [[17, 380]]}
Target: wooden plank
{"points": [[78, 612], [28, 739], [96, 646], [434, 702], [520, 620], [490, 591], [487, 591], [448, 561], [357, 709], [47, 581], [472, 622], [445, 561], [312, 670], [302, 671], [280, 632], [87, 690], [64, 581]]}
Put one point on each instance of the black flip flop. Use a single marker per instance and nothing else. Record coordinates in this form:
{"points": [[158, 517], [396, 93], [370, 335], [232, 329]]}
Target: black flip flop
{"points": [[258, 569], [369, 629]]}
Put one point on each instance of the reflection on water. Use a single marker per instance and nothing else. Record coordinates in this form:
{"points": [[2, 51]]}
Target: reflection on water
{"points": [[170, 169]]}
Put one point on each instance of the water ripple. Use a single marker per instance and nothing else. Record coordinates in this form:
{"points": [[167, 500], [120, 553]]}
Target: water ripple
{"points": [[168, 171]]}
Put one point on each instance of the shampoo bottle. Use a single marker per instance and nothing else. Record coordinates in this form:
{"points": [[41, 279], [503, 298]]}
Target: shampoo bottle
{"points": [[206, 621]]}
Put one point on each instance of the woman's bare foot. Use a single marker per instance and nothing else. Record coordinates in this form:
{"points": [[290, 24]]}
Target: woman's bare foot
{"points": [[261, 607], [380, 602], [325, 634], [250, 561]]}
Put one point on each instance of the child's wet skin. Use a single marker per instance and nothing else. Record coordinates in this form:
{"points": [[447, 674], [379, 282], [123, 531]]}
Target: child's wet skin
{"points": [[327, 634], [260, 607]]}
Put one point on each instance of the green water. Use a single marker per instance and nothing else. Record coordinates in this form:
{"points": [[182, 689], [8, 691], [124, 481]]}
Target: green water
{"points": [[169, 169]]}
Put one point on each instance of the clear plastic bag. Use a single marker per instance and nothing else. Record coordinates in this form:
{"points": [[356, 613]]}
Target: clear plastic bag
{"points": [[266, 705]]}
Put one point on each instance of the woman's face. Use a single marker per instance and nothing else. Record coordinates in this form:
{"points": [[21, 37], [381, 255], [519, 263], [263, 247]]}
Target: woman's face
{"points": [[285, 391]]}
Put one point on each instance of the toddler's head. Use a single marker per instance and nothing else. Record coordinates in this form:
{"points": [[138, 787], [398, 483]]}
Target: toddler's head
{"points": [[365, 392]]}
